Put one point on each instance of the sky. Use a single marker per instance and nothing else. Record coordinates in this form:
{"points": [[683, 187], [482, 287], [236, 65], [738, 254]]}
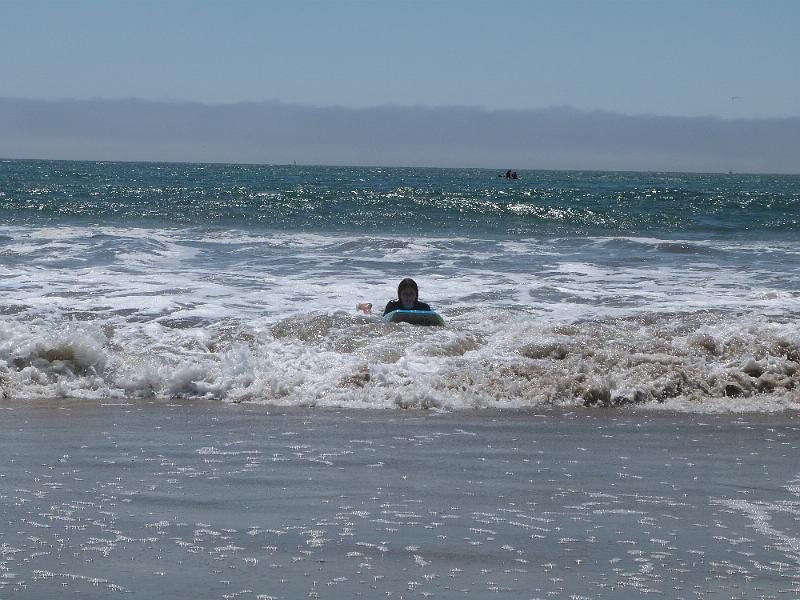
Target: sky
{"points": [[712, 59]]}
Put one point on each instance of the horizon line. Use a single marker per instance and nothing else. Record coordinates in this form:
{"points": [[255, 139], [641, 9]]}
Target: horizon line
{"points": [[352, 166], [273, 133]]}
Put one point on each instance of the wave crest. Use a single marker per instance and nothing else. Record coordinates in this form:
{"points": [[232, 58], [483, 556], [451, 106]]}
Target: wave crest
{"points": [[696, 361]]}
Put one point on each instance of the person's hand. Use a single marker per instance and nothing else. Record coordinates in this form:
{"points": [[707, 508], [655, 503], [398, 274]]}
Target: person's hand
{"points": [[365, 307]]}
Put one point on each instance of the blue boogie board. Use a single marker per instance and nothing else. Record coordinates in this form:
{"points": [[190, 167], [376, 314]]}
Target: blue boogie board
{"points": [[415, 317]]}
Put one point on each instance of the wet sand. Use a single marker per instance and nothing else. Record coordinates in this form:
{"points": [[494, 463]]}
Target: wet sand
{"points": [[204, 500]]}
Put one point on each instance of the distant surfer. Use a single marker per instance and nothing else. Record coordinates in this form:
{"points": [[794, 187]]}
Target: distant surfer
{"points": [[407, 299], [510, 175]]}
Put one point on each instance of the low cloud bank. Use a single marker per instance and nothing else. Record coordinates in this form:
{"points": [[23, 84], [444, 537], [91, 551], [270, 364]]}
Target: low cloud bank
{"points": [[269, 132]]}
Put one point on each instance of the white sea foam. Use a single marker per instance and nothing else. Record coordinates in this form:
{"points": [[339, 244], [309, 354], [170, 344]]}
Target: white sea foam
{"points": [[246, 316]]}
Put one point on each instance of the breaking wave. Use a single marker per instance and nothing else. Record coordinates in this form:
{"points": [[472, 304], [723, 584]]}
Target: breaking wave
{"points": [[702, 361]]}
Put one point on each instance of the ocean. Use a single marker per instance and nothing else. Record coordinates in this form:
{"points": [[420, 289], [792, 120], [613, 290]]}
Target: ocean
{"points": [[192, 407], [239, 284]]}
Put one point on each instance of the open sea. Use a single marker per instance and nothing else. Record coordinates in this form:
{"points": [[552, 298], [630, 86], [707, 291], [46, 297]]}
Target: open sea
{"points": [[191, 406]]}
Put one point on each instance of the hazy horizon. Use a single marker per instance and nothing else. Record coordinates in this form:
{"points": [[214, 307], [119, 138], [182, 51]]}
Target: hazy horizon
{"points": [[560, 138]]}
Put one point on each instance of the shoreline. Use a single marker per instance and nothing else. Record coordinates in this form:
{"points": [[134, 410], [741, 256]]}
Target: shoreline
{"points": [[203, 498], [659, 410]]}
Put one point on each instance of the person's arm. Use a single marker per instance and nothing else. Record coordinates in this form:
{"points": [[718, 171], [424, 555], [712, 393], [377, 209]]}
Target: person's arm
{"points": [[365, 307], [393, 305]]}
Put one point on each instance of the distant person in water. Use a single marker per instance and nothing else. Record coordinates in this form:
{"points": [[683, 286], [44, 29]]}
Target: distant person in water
{"points": [[407, 299]]}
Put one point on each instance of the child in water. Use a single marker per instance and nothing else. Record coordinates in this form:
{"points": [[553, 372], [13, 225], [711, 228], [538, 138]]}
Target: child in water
{"points": [[407, 299]]}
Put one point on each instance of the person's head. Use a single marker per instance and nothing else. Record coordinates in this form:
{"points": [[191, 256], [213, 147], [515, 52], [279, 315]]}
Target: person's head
{"points": [[407, 293]]}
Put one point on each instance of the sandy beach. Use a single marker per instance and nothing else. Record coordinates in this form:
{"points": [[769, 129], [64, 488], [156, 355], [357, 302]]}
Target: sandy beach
{"points": [[215, 501]]}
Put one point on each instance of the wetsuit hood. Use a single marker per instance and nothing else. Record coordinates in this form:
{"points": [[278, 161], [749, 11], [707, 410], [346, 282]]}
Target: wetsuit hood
{"points": [[408, 282]]}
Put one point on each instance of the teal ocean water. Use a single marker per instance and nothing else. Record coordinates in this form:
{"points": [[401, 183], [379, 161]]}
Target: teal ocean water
{"points": [[472, 202], [239, 283]]}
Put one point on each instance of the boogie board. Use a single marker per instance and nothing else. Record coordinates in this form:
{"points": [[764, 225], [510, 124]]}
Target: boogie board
{"points": [[415, 317]]}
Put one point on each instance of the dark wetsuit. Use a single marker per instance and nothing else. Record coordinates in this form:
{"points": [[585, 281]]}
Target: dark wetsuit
{"points": [[396, 305]]}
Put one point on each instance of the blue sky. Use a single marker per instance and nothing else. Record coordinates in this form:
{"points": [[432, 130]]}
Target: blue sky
{"points": [[727, 58]]}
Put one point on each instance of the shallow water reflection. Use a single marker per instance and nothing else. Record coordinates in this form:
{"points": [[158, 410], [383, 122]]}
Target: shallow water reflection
{"points": [[202, 500]]}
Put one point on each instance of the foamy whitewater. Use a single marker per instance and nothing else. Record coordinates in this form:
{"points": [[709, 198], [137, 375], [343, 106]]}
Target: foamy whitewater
{"points": [[239, 284]]}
